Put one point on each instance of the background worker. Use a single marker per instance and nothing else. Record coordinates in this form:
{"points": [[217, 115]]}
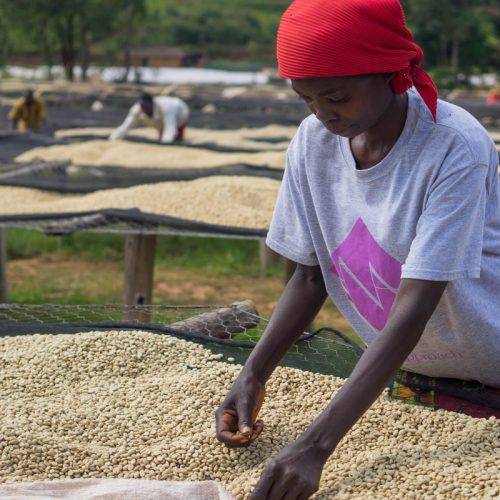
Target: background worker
{"points": [[28, 113], [169, 115]]}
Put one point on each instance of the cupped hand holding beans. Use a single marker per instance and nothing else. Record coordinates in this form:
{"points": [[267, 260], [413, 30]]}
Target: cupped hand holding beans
{"points": [[236, 418]]}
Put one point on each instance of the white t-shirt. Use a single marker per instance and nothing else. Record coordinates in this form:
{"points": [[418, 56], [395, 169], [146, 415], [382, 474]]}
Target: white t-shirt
{"points": [[169, 113], [429, 210]]}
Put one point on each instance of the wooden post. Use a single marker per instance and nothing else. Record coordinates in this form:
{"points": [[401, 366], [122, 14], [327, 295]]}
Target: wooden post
{"points": [[3, 265], [267, 256], [139, 268]]}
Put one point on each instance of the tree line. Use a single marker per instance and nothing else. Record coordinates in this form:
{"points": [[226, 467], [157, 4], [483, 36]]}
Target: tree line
{"points": [[458, 36]]}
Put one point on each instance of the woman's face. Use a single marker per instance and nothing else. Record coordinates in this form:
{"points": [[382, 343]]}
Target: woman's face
{"points": [[347, 106]]}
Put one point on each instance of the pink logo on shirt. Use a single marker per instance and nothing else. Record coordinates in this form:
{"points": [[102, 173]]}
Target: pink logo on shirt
{"points": [[369, 275]]}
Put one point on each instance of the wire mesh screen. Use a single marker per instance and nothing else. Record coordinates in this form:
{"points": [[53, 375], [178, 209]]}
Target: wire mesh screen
{"points": [[231, 331]]}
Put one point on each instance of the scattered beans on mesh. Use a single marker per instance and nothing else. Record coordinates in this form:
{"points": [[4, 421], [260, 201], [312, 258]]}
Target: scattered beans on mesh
{"points": [[140, 405]]}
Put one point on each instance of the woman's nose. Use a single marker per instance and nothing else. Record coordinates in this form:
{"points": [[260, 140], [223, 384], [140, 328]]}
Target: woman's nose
{"points": [[325, 113]]}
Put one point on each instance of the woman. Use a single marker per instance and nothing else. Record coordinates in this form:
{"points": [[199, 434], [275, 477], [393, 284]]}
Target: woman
{"points": [[390, 205]]}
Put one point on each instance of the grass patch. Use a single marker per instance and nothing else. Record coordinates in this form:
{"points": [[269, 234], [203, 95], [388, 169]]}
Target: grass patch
{"points": [[216, 256], [25, 244]]}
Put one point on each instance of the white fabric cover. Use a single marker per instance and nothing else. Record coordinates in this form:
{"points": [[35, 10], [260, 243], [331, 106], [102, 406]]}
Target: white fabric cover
{"points": [[115, 489]]}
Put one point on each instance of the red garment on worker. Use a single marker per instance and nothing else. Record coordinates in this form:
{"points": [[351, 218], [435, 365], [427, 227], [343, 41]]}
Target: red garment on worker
{"points": [[180, 133], [329, 38]]}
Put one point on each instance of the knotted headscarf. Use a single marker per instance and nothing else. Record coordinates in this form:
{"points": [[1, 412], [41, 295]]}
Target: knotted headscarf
{"points": [[330, 38]]}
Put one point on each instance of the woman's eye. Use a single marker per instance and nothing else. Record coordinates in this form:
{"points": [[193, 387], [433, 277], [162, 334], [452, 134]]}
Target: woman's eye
{"points": [[337, 100]]}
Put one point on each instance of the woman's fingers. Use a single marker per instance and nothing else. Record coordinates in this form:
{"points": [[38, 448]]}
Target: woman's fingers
{"points": [[258, 426], [264, 486], [227, 429], [248, 408]]}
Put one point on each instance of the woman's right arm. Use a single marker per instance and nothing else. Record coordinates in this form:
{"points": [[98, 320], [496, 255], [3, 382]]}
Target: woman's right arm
{"points": [[299, 304]]}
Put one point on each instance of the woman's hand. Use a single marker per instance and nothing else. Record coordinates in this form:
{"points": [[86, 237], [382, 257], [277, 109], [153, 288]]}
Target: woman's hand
{"points": [[293, 474], [236, 423], [301, 300]]}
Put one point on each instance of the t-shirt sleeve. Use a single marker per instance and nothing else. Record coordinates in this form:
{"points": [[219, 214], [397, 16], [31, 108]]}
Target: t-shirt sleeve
{"points": [[449, 234], [289, 233]]}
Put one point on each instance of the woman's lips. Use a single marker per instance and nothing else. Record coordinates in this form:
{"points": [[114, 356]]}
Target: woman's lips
{"points": [[336, 130]]}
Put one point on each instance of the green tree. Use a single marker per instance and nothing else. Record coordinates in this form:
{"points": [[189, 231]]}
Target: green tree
{"points": [[128, 22], [461, 35], [67, 27], [27, 28], [458, 36]]}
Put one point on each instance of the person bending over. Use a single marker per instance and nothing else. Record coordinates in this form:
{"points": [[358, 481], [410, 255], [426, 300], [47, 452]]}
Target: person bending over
{"points": [[28, 113], [169, 115]]}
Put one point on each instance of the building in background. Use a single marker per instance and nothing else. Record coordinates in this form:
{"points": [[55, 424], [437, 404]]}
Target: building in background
{"points": [[164, 57]]}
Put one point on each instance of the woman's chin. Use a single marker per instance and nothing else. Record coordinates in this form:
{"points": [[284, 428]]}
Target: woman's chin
{"points": [[348, 132]]}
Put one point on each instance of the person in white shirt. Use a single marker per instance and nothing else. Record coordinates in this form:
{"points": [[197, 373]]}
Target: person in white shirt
{"points": [[169, 115]]}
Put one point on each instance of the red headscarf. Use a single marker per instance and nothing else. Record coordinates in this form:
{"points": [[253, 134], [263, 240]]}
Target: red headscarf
{"points": [[328, 38]]}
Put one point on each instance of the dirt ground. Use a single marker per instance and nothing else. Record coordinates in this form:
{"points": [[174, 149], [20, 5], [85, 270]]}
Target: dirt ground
{"points": [[83, 281]]}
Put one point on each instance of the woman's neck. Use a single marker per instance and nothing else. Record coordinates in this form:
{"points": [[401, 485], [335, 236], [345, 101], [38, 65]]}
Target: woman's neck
{"points": [[370, 147]]}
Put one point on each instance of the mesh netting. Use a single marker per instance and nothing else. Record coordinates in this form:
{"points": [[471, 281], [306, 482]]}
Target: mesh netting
{"points": [[132, 221], [228, 330], [64, 177], [13, 143]]}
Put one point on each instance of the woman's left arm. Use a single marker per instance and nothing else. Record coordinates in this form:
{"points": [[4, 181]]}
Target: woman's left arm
{"points": [[299, 465]]}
